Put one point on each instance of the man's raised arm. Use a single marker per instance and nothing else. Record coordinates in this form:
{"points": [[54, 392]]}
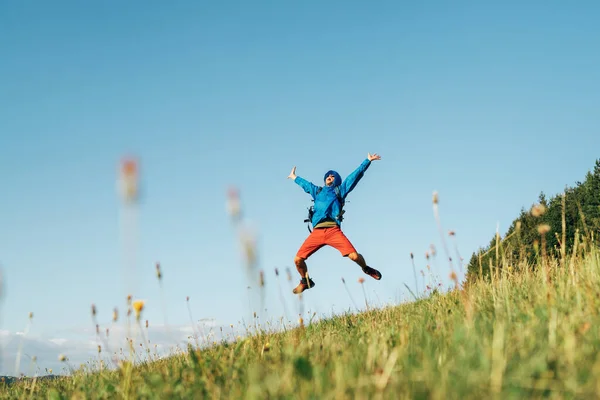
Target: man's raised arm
{"points": [[351, 180], [308, 187]]}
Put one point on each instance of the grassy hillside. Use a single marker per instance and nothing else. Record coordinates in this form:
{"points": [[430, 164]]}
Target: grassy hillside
{"points": [[521, 335], [523, 325]]}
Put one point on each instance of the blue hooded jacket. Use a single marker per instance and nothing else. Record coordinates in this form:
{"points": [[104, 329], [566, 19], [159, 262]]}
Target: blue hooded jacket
{"points": [[327, 205]]}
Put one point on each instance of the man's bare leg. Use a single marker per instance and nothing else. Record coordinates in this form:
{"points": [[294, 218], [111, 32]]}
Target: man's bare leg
{"points": [[301, 266], [360, 260], [306, 282]]}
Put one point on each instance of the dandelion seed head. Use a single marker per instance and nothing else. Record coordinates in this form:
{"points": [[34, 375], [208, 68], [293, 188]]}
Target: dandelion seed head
{"points": [[543, 229], [538, 210]]}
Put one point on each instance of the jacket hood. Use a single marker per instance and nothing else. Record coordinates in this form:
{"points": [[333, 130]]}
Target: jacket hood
{"points": [[337, 181]]}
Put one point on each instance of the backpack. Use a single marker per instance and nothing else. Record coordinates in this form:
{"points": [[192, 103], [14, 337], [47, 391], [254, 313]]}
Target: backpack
{"points": [[311, 209]]}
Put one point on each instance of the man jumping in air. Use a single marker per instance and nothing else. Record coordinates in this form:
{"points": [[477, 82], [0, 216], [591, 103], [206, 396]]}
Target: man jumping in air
{"points": [[326, 220]]}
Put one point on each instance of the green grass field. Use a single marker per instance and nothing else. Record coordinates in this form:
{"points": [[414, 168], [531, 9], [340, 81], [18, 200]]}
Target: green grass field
{"points": [[526, 333]]}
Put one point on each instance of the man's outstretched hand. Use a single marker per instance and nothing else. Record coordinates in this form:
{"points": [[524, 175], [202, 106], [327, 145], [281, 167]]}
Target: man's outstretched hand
{"points": [[292, 174], [375, 156]]}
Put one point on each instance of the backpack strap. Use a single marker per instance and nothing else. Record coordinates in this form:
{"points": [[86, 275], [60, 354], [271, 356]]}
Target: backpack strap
{"points": [[311, 211], [339, 196], [340, 216]]}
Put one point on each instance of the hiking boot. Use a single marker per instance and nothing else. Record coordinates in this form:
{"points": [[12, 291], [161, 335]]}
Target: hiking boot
{"points": [[372, 272], [303, 285]]}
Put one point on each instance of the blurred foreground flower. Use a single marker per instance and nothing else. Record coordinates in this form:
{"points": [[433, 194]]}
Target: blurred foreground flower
{"points": [[233, 204], [543, 229], [138, 306], [158, 271], [262, 278], [538, 210], [266, 348], [129, 180], [453, 277], [248, 240]]}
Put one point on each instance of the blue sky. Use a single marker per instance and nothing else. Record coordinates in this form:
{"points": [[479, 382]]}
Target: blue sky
{"points": [[486, 104]]}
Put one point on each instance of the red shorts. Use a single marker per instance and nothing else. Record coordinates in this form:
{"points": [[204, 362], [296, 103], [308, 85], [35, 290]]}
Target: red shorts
{"points": [[320, 237]]}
